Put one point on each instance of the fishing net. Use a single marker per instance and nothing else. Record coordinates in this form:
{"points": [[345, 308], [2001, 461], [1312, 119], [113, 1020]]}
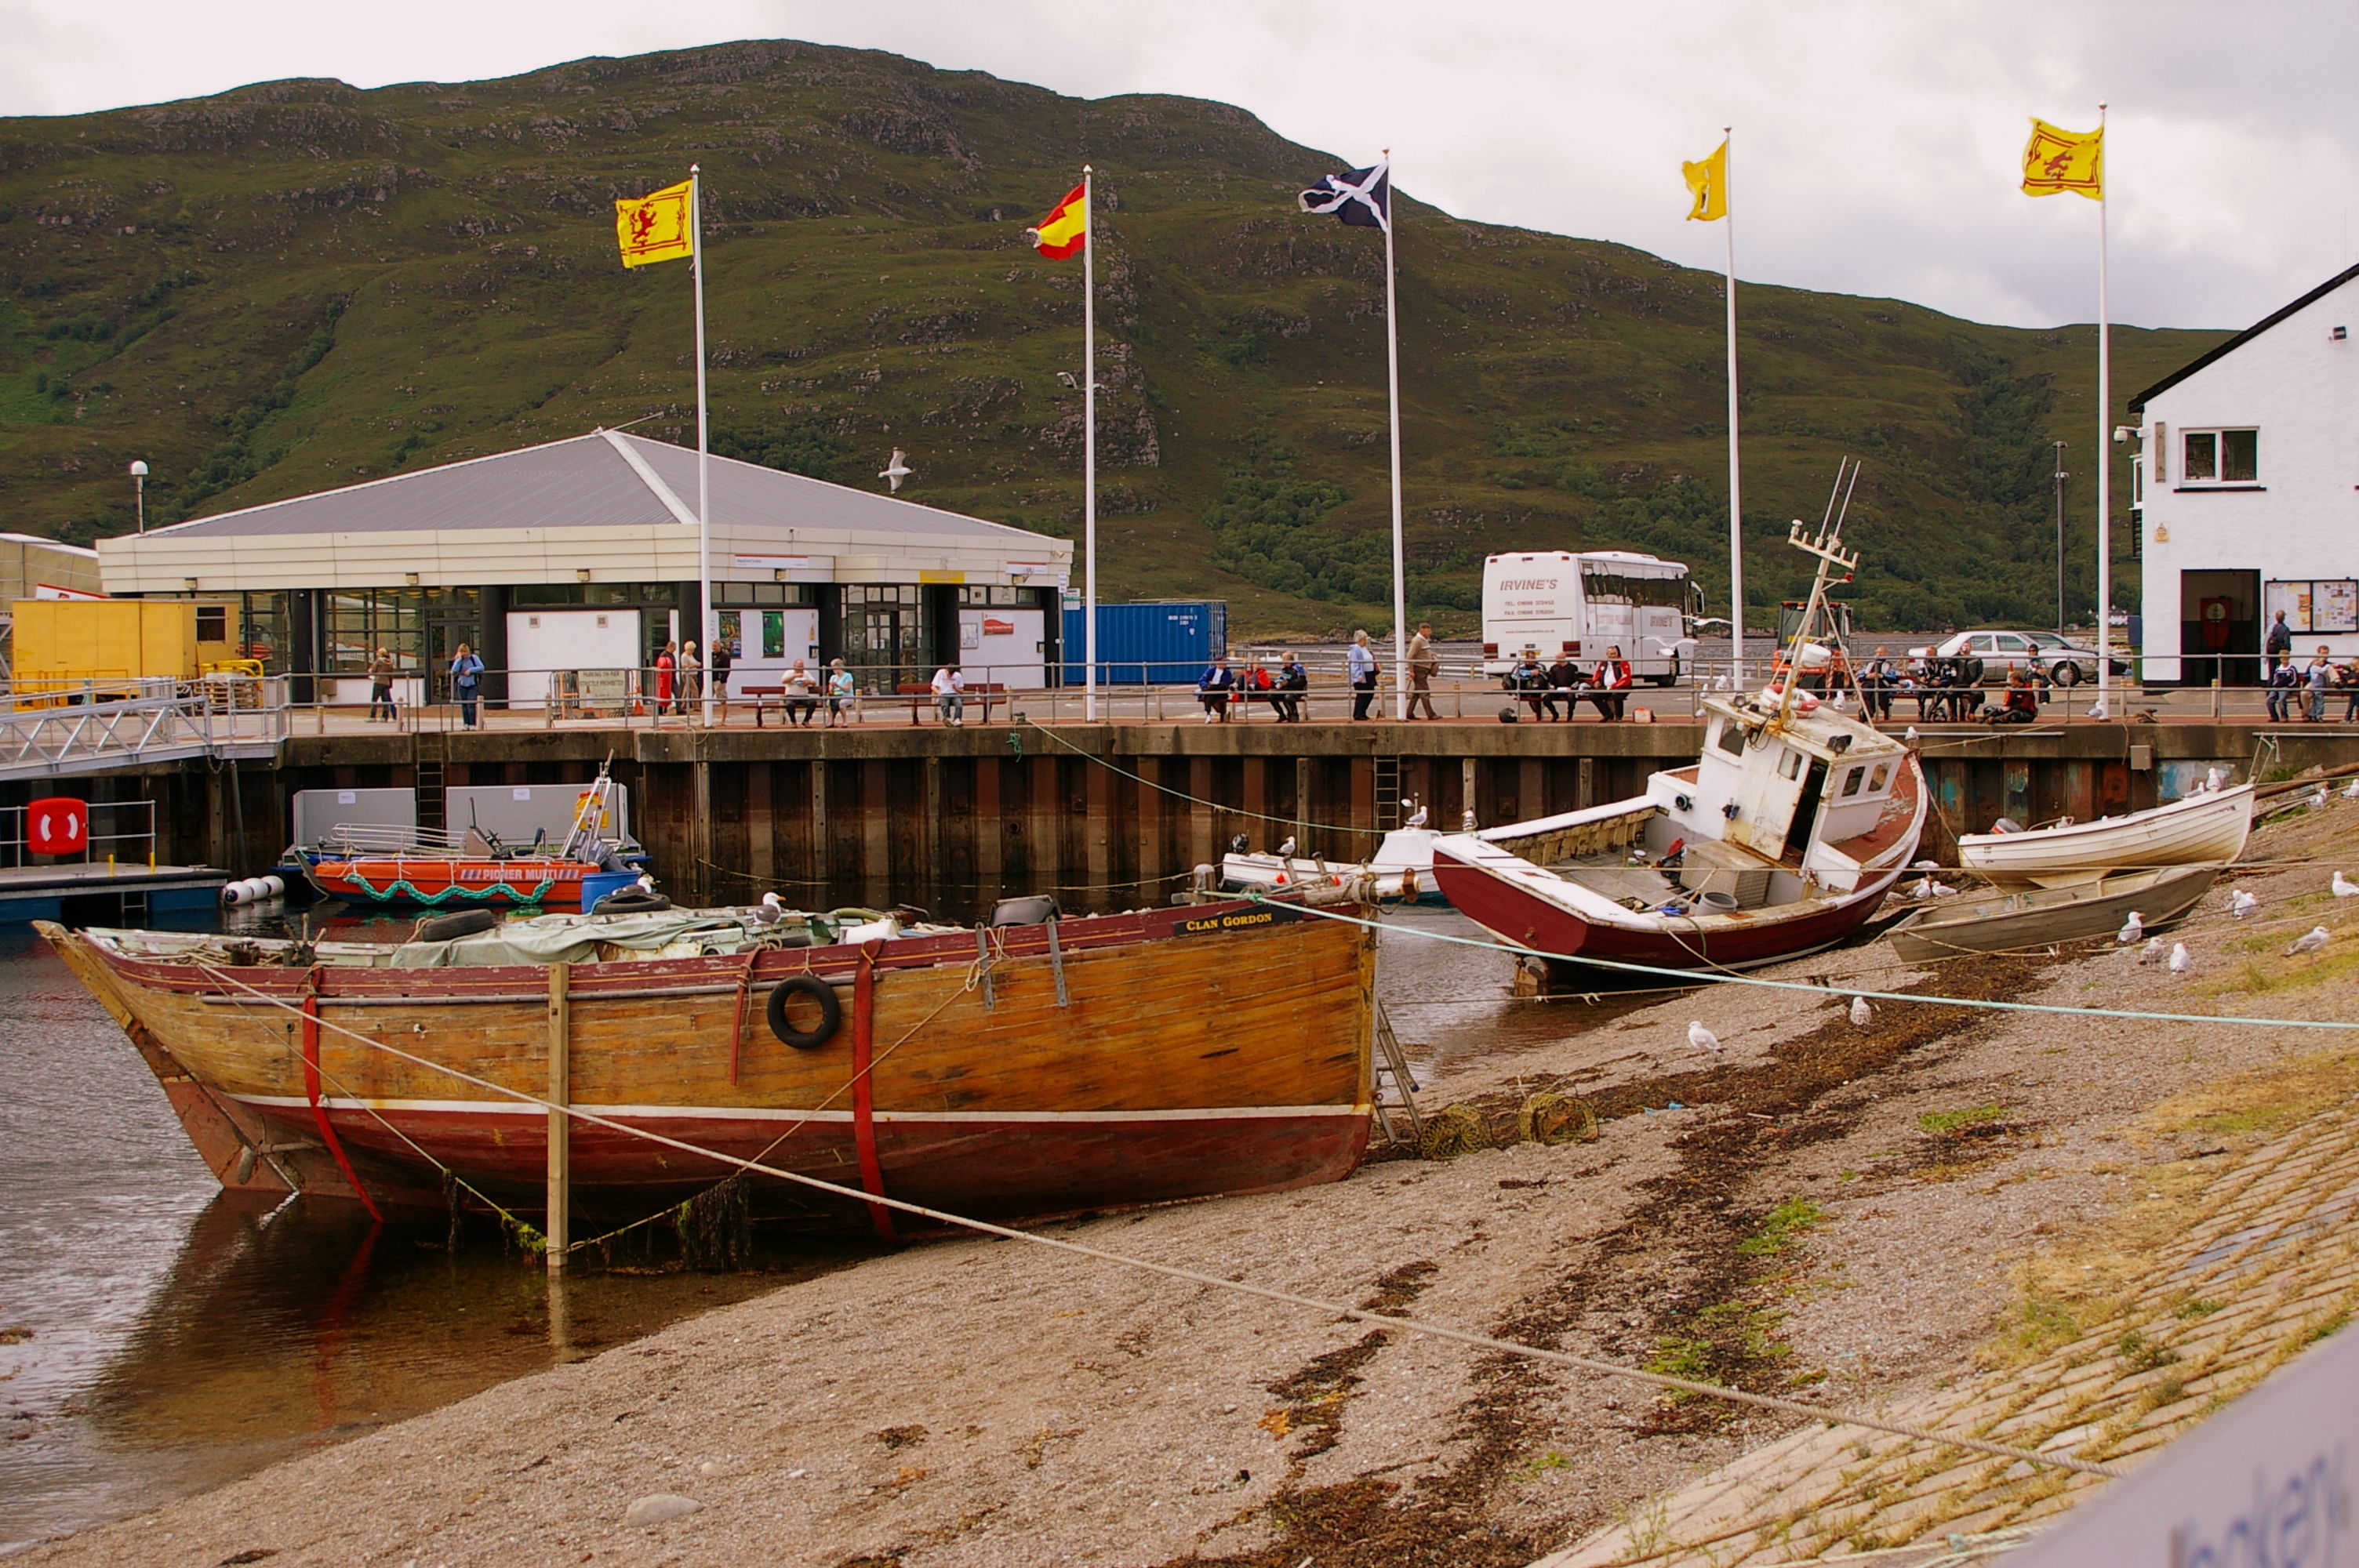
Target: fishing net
{"points": [[1452, 1131], [1551, 1117]]}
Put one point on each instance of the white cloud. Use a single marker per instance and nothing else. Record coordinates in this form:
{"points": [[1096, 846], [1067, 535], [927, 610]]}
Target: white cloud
{"points": [[1877, 143]]}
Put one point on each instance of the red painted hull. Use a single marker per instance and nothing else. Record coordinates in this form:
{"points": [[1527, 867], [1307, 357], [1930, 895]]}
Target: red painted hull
{"points": [[442, 883], [1532, 922]]}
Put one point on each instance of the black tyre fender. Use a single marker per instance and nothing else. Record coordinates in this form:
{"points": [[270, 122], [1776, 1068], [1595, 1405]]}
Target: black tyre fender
{"points": [[445, 927], [831, 1011], [631, 901]]}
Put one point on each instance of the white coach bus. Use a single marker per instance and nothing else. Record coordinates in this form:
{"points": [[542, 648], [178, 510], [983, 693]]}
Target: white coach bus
{"points": [[1561, 604]]}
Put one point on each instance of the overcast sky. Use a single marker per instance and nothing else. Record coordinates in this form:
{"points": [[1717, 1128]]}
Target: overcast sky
{"points": [[1877, 140]]}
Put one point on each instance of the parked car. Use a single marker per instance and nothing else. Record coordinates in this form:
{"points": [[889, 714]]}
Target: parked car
{"points": [[2002, 652]]}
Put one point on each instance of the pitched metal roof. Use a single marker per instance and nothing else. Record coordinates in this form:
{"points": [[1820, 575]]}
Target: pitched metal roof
{"points": [[2137, 405], [591, 481]]}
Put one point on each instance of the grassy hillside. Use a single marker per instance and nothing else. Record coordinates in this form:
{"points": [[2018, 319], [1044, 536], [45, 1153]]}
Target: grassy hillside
{"points": [[299, 285]]}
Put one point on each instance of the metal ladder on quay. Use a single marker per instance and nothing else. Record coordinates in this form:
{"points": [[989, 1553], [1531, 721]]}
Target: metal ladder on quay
{"points": [[433, 749], [1393, 1089]]}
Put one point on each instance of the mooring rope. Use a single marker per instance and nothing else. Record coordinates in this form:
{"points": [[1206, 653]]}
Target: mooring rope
{"points": [[1217, 1282]]}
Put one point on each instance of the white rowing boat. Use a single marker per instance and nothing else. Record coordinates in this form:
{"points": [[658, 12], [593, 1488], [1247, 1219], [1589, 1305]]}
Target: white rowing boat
{"points": [[2208, 826]]}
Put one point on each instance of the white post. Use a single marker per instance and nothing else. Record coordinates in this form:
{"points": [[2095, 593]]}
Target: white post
{"points": [[1089, 451], [705, 616], [1735, 505], [2105, 454], [1392, 388]]}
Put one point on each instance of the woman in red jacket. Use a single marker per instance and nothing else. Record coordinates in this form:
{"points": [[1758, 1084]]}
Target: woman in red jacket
{"points": [[1610, 685]]}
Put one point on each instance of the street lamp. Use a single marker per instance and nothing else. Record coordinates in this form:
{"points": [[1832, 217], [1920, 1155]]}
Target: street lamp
{"points": [[2060, 476], [139, 491]]}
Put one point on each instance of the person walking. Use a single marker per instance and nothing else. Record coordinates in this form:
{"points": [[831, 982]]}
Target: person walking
{"points": [[692, 681], [2278, 643], [466, 683], [381, 671], [1212, 689], [723, 658], [666, 677], [1424, 664], [1610, 687], [842, 695], [949, 688], [1360, 667], [1293, 680]]}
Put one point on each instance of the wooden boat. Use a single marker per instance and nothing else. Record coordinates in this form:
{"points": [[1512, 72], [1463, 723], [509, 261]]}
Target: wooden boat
{"points": [[2009, 921], [418, 867], [2208, 827], [1017, 1072], [1400, 872], [1782, 839]]}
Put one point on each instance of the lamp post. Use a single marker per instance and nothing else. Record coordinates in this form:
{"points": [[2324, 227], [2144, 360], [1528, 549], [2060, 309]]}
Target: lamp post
{"points": [[2060, 476], [139, 491]]}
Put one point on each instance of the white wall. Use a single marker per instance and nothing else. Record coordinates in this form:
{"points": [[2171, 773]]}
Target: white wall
{"points": [[2299, 387], [541, 641], [1006, 647], [799, 630]]}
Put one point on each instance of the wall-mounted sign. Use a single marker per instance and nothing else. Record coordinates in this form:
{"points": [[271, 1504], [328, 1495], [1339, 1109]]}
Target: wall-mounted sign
{"points": [[770, 563], [2325, 604]]}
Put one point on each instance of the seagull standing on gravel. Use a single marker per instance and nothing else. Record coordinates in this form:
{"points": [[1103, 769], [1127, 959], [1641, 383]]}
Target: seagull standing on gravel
{"points": [[2151, 954], [2132, 929], [2180, 962], [2352, 792], [1862, 1015], [2242, 904], [1699, 1038], [2309, 941], [896, 471], [2345, 887]]}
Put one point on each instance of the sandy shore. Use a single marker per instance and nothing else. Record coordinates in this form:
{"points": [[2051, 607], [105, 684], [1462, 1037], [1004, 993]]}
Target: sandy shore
{"points": [[1830, 1212]]}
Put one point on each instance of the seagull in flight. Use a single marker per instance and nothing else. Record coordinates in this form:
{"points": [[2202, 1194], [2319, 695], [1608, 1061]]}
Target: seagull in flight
{"points": [[1703, 1039], [897, 469]]}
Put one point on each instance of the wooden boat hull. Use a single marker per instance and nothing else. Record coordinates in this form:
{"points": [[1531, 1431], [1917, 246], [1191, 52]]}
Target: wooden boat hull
{"points": [[1148, 1057], [440, 882], [2210, 828], [2013, 921]]}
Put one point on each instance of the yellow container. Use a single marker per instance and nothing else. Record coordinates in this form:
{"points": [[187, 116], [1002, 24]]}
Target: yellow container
{"points": [[72, 642]]}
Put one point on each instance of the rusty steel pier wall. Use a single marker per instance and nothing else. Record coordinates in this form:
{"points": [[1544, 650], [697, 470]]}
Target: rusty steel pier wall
{"points": [[1113, 816]]}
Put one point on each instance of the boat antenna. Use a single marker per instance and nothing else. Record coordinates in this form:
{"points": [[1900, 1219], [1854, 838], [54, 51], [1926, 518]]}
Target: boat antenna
{"points": [[1827, 546]]}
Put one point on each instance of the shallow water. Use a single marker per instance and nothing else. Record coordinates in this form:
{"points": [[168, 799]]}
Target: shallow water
{"points": [[158, 1335]]}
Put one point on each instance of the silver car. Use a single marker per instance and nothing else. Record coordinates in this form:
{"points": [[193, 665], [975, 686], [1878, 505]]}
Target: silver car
{"points": [[2002, 652]]}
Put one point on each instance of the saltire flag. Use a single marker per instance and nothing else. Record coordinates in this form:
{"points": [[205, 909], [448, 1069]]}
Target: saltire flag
{"points": [[1708, 186], [1066, 228], [658, 227], [1361, 197], [2057, 159]]}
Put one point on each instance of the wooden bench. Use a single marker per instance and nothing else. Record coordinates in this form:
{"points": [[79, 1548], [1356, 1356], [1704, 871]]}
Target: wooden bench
{"points": [[921, 696], [775, 696]]}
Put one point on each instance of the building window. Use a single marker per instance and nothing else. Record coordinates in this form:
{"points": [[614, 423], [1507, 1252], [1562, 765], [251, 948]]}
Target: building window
{"points": [[213, 623], [2219, 457]]}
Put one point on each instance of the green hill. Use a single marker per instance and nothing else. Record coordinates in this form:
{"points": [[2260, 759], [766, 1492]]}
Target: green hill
{"points": [[301, 284]]}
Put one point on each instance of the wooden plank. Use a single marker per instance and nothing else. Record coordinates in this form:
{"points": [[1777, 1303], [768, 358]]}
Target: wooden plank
{"points": [[558, 1228], [761, 832]]}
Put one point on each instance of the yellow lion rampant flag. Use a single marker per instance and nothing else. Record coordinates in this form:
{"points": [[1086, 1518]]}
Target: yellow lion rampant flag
{"points": [[1707, 184], [657, 227], [2057, 159], [1064, 231]]}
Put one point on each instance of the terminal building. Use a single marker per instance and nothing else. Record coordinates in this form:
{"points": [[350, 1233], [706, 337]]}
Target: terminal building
{"points": [[2246, 494], [581, 556]]}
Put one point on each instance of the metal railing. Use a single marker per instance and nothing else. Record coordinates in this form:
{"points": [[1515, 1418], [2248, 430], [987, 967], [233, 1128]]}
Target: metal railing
{"points": [[136, 845], [203, 719]]}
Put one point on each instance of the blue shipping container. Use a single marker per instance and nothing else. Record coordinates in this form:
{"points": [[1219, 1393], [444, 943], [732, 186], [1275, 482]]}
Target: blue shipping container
{"points": [[1165, 643]]}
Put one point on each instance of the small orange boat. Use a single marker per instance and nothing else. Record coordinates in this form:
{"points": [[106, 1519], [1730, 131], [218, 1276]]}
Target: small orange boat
{"points": [[1016, 1071]]}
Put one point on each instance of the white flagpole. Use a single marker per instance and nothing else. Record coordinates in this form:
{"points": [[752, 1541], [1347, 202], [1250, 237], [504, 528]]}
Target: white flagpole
{"points": [[705, 616], [1392, 384], [1736, 506], [2104, 453], [1089, 449]]}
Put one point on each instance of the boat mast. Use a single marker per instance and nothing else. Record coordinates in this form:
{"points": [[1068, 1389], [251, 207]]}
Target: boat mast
{"points": [[1827, 546]]}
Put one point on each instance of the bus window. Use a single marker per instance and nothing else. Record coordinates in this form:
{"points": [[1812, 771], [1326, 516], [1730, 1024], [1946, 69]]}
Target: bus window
{"points": [[1601, 585]]}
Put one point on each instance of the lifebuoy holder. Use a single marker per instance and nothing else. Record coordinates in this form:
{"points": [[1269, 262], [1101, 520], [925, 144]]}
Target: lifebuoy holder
{"points": [[831, 1010]]}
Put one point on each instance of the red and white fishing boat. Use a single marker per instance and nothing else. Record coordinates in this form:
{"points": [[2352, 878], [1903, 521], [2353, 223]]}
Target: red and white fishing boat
{"points": [[1781, 839], [364, 864]]}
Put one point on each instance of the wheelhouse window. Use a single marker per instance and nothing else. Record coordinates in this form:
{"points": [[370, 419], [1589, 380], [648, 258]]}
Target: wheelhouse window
{"points": [[1730, 737], [1851, 781], [2219, 457]]}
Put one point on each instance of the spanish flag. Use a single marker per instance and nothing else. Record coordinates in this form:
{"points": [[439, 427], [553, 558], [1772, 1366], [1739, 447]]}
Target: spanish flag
{"points": [[2057, 159], [658, 227], [1064, 231], [1708, 185]]}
